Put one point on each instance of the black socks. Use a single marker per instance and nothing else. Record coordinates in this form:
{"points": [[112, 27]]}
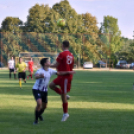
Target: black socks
{"points": [[41, 112], [14, 76], [38, 114], [11, 75]]}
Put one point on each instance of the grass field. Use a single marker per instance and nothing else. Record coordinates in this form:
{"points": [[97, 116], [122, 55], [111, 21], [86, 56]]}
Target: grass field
{"points": [[101, 103]]}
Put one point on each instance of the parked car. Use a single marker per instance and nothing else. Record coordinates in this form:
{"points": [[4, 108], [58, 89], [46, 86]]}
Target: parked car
{"points": [[88, 65], [101, 64], [122, 64], [132, 65], [1, 64]]}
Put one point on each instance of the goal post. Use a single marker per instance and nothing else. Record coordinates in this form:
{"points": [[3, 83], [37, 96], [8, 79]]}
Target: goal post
{"points": [[36, 56]]}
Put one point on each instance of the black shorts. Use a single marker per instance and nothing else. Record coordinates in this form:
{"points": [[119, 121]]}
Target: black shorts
{"points": [[40, 95], [22, 75], [11, 70]]}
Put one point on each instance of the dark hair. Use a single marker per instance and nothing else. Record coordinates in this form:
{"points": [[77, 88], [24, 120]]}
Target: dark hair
{"points": [[43, 61], [66, 44]]}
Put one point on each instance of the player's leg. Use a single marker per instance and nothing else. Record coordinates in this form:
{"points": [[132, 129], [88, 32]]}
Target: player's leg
{"points": [[24, 76], [20, 83], [65, 107], [44, 104], [28, 76], [53, 85], [31, 73], [14, 74], [38, 107], [65, 103], [10, 73], [66, 85], [20, 76], [37, 110]]}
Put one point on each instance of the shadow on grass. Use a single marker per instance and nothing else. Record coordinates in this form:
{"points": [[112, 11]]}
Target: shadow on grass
{"points": [[76, 95], [81, 121]]}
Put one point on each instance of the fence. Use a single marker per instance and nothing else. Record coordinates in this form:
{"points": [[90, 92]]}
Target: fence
{"points": [[85, 47]]}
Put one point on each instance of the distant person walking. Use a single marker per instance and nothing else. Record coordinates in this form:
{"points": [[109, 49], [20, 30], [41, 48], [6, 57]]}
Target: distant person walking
{"points": [[11, 67], [21, 66], [30, 68]]}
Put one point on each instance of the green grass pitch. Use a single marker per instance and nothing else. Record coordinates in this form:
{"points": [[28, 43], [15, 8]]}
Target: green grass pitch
{"points": [[101, 103]]}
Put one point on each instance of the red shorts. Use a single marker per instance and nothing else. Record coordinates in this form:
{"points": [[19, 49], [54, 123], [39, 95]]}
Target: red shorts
{"points": [[64, 83]]}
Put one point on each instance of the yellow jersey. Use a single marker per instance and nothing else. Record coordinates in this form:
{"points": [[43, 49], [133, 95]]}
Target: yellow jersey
{"points": [[21, 67]]}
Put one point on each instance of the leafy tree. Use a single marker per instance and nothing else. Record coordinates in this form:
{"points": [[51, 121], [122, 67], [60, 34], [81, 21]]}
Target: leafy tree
{"points": [[110, 38], [37, 18], [86, 40], [69, 14], [111, 29], [11, 24], [89, 23], [127, 50], [51, 19], [127, 44]]}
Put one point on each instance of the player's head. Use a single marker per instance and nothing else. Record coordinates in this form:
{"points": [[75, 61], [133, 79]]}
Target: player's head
{"points": [[20, 60], [65, 45], [12, 57], [45, 62], [31, 59]]}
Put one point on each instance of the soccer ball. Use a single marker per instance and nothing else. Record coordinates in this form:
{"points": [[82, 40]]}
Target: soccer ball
{"points": [[61, 22]]}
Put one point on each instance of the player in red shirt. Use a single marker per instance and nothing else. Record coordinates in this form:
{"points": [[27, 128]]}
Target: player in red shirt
{"points": [[65, 63], [30, 67]]}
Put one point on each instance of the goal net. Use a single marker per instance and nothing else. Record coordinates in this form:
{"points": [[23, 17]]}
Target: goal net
{"points": [[36, 56]]}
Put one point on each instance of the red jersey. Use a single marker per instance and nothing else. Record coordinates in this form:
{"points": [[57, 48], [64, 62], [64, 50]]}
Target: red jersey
{"points": [[66, 61], [30, 64]]}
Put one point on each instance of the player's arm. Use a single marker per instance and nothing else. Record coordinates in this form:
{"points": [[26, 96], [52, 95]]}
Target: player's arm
{"points": [[54, 65], [25, 69], [66, 73], [58, 61], [38, 76], [16, 66]]}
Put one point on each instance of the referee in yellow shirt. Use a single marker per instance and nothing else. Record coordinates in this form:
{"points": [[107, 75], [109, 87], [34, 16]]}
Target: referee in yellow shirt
{"points": [[21, 66]]}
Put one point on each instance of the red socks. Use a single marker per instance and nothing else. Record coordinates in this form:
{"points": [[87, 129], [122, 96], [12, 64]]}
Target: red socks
{"points": [[65, 108], [58, 91], [65, 105], [30, 76]]}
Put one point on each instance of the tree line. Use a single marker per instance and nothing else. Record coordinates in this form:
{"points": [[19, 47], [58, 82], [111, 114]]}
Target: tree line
{"points": [[88, 41]]}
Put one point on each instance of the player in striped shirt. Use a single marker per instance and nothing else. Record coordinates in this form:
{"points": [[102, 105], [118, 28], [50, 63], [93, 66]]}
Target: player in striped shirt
{"points": [[40, 88]]}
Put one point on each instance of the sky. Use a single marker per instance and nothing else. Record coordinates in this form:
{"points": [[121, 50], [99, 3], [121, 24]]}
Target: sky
{"points": [[121, 9]]}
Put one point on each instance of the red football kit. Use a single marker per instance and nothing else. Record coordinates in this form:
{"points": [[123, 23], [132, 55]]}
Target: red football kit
{"points": [[30, 65], [66, 63]]}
